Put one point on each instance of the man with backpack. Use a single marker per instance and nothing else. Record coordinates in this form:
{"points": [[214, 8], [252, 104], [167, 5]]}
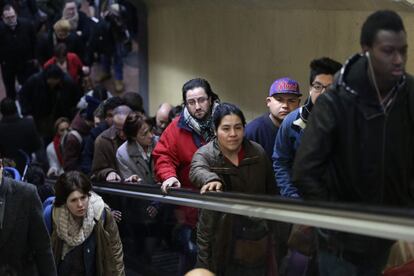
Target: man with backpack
{"points": [[73, 141]]}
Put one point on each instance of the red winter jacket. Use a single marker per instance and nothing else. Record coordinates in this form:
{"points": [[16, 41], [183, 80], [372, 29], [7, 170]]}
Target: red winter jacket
{"points": [[73, 63], [172, 158]]}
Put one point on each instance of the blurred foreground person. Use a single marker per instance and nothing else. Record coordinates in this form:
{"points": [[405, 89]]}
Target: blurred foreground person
{"points": [[85, 238], [358, 146], [24, 242], [232, 244], [199, 272]]}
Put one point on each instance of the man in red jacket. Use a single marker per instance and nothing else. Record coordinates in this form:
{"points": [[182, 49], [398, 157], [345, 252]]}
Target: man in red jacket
{"points": [[179, 141]]}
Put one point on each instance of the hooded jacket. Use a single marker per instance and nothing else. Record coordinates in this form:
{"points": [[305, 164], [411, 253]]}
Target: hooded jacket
{"points": [[353, 149]]}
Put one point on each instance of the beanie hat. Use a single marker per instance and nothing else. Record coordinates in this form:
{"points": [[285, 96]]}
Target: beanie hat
{"points": [[284, 86]]}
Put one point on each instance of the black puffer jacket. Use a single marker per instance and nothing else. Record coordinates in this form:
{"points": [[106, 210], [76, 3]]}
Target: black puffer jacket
{"points": [[355, 151]]}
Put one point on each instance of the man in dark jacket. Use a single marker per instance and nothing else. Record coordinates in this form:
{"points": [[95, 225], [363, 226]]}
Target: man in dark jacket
{"points": [[284, 96], [48, 95], [24, 241], [359, 143], [17, 50], [16, 134], [107, 108], [74, 141]]}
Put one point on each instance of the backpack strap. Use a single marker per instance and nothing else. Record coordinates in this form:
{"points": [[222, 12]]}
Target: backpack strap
{"points": [[47, 213]]}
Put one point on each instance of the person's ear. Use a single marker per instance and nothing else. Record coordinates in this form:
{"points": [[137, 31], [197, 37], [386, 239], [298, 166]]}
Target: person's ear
{"points": [[365, 50]]}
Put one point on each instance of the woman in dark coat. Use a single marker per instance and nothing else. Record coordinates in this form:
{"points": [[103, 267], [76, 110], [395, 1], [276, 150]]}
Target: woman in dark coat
{"points": [[230, 244]]}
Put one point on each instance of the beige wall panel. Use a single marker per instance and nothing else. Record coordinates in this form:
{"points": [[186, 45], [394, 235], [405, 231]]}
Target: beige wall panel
{"points": [[241, 49]]}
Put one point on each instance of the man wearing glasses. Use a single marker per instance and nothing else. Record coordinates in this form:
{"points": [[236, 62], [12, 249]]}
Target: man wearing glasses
{"points": [[290, 132], [173, 153], [181, 139], [284, 96]]}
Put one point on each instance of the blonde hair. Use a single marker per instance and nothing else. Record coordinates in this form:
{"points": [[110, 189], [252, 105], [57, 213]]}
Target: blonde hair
{"points": [[62, 25]]}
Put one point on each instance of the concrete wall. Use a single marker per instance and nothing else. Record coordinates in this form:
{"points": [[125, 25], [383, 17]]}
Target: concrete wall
{"points": [[241, 48]]}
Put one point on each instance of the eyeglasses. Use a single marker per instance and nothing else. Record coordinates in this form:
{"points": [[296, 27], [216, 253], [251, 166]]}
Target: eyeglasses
{"points": [[201, 100], [319, 87]]}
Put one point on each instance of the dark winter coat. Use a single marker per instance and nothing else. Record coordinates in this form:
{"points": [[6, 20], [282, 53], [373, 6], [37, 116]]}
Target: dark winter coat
{"points": [[17, 46], [354, 151], [18, 133], [24, 240], [89, 147], [72, 147], [45, 104], [253, 175]]}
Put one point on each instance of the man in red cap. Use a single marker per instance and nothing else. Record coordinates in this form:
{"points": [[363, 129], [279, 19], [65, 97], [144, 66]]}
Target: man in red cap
{"points": [[284, 96]]}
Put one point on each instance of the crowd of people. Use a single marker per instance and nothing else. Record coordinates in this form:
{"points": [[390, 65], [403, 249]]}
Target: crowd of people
{"points": [[351, 141]]}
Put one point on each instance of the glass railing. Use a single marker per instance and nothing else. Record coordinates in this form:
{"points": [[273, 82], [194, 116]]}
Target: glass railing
{"points": [[239, 234]]}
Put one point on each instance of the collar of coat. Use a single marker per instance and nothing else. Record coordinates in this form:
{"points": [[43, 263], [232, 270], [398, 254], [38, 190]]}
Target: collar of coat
{"points": [[250, 156], [353, 78]]}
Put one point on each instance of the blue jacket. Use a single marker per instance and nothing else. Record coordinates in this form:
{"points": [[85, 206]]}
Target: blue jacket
{"points": [[287, 142]]}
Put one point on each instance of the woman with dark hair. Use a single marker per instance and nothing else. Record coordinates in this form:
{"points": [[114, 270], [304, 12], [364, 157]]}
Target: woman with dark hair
{"points": [[85, 238], [231, 244], [135, 165], [134, 156]]}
